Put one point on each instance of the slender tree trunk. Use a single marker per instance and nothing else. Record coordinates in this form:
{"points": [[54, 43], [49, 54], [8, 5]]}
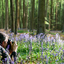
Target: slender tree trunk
{"points": [[24, 26], [6, 15], [46, 11], [51, 14], [20, 13], [29, 27], [16, 18], [32, 14], [2, 15], [63, 19], [26, 15], [12, 15], [56, 16], [41, 17], [60, 11]]}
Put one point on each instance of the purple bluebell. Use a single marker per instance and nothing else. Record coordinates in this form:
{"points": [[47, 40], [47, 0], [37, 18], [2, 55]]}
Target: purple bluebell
{"points": [[63, 50], [57, 60], [56, 54], [12, 62], [21, 62], [16, 38], [5, 59]]}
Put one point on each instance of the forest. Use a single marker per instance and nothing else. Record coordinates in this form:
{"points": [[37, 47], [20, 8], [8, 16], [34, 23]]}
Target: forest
{"points": [[25, 14], [38, 28]]}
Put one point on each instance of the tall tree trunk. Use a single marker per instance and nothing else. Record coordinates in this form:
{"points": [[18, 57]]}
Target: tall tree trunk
{"points": [[60, 11], [26, 15], [51, 14], [29, 27], [24, 26], [2, 15], [41, 17], [6, 15], [15, 32], [63, 19], [12, 15], [56, 16], [20, 13], [32, 14], [18, 16], [46, 10]]}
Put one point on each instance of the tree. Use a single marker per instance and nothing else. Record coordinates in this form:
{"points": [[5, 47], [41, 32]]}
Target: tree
{"points": [[24, 23], [2, 15], [26, 14], [6, 15], [12, 15], [51, 14], [63, 19], [56, 15], [32, 14], [18, 15], [41, 17], [15, 32]]}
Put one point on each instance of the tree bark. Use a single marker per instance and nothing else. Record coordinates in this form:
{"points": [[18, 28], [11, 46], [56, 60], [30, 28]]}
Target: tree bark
{"points": [[6, 15], [20, 13], [32, 14], [56, 15], [26, 15], [2, 15], [16, 18], [12, 15], [41, 17], [63, 19], [51, 14], [24, 23]]}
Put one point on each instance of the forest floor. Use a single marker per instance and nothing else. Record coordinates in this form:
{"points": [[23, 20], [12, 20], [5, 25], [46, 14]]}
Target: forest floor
{"points": [[48, 33], [51, 33]]}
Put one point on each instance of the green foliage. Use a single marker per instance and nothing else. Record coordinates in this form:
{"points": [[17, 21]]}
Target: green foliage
{"points": [[22, 31], [53, 49]]}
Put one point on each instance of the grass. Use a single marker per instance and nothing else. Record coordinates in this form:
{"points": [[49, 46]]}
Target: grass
{"points": [[48, 50], [36, 51], [22, 31]]}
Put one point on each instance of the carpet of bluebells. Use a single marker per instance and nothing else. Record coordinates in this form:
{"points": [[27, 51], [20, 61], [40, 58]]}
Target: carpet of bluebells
{"points": [[39, 49]]}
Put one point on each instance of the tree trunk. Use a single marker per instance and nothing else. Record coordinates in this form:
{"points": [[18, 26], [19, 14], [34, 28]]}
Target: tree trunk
{"points": [[16, 18], [32, 14], [63, 19], [46, 11], [2, 15], [51, 14], [26, 15], [56, 16], [12, 15], [24, 26], [20, 13], [41, 17], [6, 15]]}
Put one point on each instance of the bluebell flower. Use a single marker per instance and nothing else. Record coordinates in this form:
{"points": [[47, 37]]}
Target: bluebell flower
{"points": [[12, 39], [5, 59], [56, 54], [16, 38], [63, 50], [57, 60], [21, 62]]}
